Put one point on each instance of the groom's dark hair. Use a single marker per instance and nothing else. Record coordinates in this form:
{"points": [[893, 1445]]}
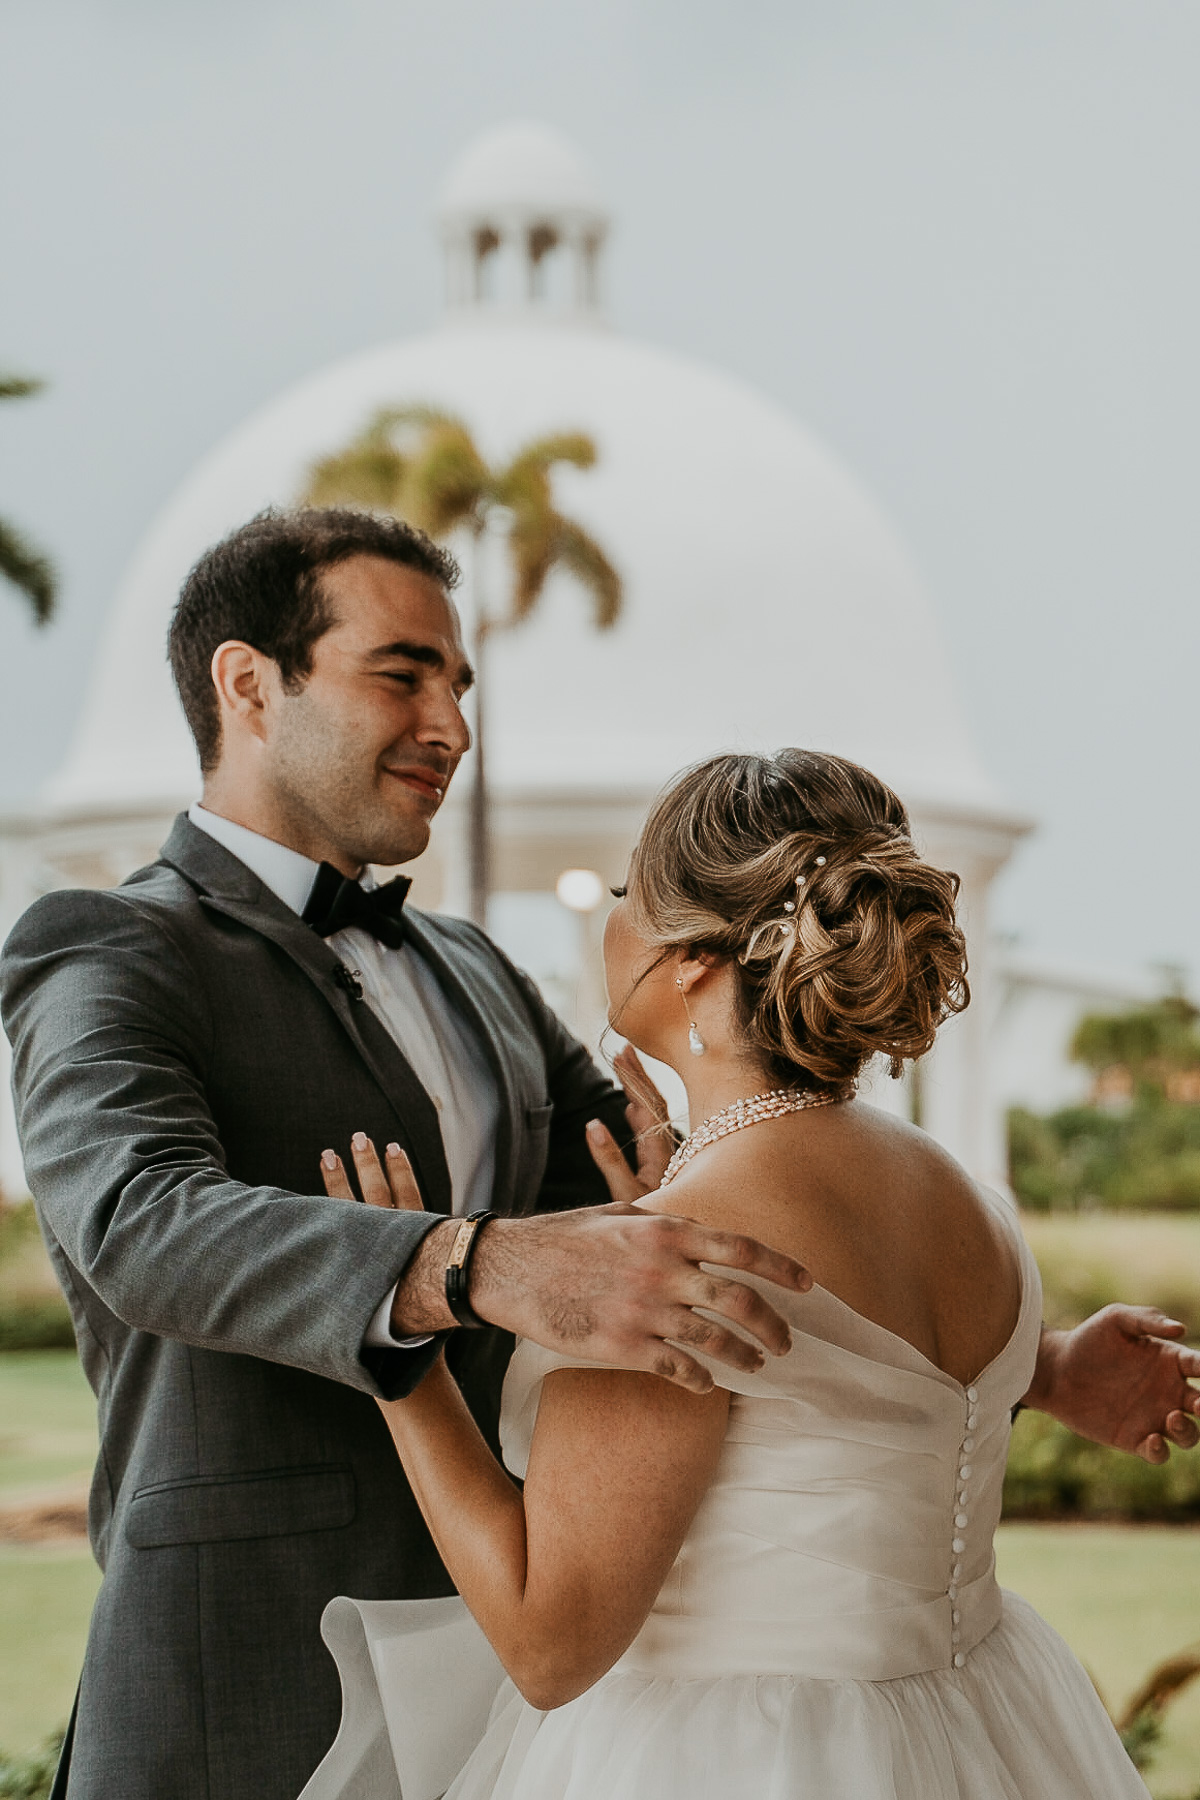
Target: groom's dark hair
{"points": [[261, 584]]}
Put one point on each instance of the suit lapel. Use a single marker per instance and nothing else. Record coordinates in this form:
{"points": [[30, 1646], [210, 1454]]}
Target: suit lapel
{"points": [[227, 886]]}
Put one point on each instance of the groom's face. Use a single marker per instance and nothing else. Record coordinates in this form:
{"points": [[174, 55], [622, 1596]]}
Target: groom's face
{"points": [[362, 753]]}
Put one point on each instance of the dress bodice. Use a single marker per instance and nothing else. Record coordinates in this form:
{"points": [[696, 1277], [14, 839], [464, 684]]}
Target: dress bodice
{"points": [[848, 1530], [830, 1630]]}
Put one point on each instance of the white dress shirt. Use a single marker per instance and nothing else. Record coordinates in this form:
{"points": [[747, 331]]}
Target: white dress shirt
{"points": [[404, 994]]}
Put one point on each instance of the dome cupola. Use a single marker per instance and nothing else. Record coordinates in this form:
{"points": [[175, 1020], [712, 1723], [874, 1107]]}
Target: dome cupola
{"points": [[522, 225]]}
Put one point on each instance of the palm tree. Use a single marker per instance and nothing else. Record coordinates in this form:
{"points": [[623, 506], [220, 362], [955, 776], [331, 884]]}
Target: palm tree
{"points": [[423, 465], [24, 566]]}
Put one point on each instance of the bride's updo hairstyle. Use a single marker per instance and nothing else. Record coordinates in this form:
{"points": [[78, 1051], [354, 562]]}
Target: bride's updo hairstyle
{"points": [[801, 869]]}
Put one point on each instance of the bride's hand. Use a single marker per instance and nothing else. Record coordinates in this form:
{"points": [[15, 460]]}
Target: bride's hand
{"points": [[650, 1125], [390, 1183]]}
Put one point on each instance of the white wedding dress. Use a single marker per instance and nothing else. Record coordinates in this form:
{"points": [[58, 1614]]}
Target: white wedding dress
{"points": [[832, 1628]]}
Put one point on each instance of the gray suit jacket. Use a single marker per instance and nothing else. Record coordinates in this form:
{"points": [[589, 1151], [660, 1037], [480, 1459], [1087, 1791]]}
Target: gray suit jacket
{"points": [[184, 1048]]}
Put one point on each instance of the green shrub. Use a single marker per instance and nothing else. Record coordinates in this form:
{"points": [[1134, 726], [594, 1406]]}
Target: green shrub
{"points": [[1146, 1156], [30, 1777], [35, 1325], [18, 1228], [1053, 1474], [33, 1313]]}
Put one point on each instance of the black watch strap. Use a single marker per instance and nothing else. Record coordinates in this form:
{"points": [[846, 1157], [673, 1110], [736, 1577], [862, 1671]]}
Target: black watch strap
{"points": [[458, 1269]]}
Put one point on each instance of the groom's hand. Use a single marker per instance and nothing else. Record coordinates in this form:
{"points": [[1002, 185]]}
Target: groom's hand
{"points": [[613, 1284], [609, 1283], [1121, 1378]]}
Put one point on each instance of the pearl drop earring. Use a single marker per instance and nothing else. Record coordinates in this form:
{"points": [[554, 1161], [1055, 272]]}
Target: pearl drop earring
{"points": [[696, 1043]]}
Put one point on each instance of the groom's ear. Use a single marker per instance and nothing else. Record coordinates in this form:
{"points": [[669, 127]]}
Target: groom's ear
{"points": [[244, 679]]}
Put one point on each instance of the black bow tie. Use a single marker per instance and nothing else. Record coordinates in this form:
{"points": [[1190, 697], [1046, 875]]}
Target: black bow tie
{"points": [[336, 904]]}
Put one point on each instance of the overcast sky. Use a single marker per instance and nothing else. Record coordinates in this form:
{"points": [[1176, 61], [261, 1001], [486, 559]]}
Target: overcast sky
{"points": [[956, 237]]}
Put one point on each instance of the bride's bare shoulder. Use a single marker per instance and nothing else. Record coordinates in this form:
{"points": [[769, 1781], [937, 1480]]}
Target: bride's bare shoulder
{"points": [[794, 1171]]}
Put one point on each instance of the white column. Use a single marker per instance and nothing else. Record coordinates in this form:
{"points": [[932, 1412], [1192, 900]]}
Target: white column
{"points": [[958, 1106], [954, 1076]]}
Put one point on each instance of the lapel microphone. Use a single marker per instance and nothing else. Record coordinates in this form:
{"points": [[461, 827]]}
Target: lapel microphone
{"points": [[350, 979]]}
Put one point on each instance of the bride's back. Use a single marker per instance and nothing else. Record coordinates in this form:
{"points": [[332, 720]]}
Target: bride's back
{"points": [[847, 1531], [880, 1216]]}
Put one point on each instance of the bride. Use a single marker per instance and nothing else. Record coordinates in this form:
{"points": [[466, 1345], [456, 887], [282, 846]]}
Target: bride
{"points": [[783, 1588]]}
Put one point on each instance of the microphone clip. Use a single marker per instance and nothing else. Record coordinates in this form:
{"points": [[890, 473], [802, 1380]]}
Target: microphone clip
{"points": [[350, 980]]}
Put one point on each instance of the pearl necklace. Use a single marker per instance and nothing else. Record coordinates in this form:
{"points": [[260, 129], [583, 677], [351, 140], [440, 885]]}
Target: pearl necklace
{"points": [[772, 1105]]}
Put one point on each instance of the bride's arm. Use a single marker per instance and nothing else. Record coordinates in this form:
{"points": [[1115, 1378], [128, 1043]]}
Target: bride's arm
{"points": [[562, 1575]]}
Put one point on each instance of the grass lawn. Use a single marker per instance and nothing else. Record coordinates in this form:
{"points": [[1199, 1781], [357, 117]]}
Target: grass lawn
{"points": [[47, 1422], [1124, 1598], [47, 1443], [46, 1597]]}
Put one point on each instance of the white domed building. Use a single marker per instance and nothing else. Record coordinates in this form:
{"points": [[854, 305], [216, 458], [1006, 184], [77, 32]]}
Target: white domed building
{"points": [[766, 602]]}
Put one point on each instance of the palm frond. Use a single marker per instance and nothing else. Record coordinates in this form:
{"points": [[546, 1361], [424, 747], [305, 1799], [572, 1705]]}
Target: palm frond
{"points": [[526, 480], [448, 482], [16, 387], [532, 544], [412, 421], [28, 570], [368, 473], [536, 539], [581, 556], [523, 488], [559, 446], [416, 462]]}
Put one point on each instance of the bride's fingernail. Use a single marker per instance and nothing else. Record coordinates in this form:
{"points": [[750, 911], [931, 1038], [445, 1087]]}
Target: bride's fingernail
{"points": [[359, 1141], [595, 1131], [394, 1150], [329, 1158]]}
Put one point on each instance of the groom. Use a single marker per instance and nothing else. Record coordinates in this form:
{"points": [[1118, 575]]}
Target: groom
{"points": [[186, 1047], [184, 1050]]}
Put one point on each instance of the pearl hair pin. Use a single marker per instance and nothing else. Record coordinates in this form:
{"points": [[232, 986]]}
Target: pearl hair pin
{"points": [[786, 926]]}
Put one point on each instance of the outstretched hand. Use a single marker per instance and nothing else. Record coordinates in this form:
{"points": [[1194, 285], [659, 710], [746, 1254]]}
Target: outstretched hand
{"points": [[1121, 1379]]}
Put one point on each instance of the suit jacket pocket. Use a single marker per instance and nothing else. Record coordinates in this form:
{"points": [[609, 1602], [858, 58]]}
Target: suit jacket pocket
{"points": [[537, 1118], [208, 1509]]}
